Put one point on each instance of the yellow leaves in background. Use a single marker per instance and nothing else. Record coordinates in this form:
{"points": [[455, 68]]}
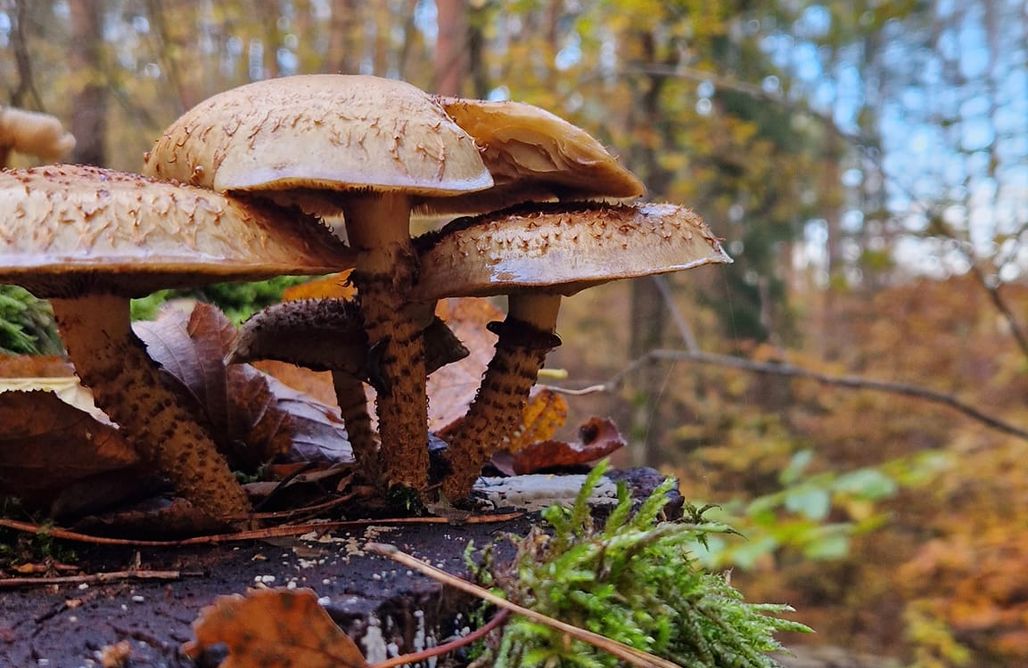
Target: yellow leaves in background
{"points": [[545, 413], [332, 286]]}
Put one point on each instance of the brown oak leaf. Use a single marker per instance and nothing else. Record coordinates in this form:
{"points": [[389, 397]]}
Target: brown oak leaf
{"points": [[274, 628], [597, 438]]}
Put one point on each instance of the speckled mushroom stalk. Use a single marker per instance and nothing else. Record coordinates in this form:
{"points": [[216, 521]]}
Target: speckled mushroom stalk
{"points": [[524, 339], [90, 239], [328, 334], [536, 255], [378, 227], [127, 385]]}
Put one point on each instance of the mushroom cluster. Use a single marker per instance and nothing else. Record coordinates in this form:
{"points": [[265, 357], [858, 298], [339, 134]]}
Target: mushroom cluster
{"points": [[237, 188]]}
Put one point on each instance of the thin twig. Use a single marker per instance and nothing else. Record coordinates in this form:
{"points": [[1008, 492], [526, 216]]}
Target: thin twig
{"points": [[257, 534], [305, 511], [417, 657], [1001, 305], [92, 578], [786, 369], [631, 655], [681, 324]]}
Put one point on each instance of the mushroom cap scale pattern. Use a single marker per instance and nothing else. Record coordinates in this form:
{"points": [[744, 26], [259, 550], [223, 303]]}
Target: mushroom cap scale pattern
{"points": [[561, 249], [69, 229], [321, 131]]}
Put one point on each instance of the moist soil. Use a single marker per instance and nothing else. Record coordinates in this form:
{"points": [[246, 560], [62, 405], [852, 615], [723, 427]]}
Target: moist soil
{"points": [[388, 609]]}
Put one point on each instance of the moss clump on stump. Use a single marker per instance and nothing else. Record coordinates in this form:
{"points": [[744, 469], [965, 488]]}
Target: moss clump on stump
{"points": [[633, 580]]}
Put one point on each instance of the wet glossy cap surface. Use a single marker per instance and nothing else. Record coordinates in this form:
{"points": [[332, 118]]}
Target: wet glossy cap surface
{"points": [[325, 131], [67, 229], [561, 249]]}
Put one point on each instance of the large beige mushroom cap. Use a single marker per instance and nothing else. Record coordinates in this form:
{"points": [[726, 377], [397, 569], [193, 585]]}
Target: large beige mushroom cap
{"points": [[561, 249], [69, 228], [324, 131], [534, 155]]}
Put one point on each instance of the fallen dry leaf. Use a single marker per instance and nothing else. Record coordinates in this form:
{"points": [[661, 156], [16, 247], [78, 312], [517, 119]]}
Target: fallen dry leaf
{"points": [[333, 285], [47, 444], [597, 438], [48, 373], [316, 384], [274, 628], [252, 417], [545, 413], [452, 388]]}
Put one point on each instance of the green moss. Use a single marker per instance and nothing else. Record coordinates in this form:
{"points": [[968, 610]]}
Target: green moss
{"points": [[237, 300], [27, 324], [631, 579]]}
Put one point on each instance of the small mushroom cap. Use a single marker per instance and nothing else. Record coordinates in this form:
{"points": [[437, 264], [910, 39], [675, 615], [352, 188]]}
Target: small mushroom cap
{"points": [[534, 155], [328, 335], [561, 249], [41, 135], [69, 229], [323, 131]]}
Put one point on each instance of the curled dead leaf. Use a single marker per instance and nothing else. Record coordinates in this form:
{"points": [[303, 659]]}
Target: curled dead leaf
{"points": [[453, 387], [253, 417], [597, 438], [274, 628]]}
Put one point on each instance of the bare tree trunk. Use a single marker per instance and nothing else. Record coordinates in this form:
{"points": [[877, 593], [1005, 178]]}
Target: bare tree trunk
{"points": [[270, 12], [451, 52], [89, 115], [476, 52], [19, 42], [343, 56], [383, 16]]}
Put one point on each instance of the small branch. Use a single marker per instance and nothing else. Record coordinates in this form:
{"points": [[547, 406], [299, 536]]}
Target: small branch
{"points": [[93, 578], [628, 654], [452, 646], [681, 324], [1001, 305], [786, 369], [258, 534]]}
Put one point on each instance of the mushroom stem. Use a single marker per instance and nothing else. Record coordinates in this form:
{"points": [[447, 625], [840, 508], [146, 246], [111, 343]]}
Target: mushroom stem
{"points": [[378, 226], [353, 406], [524, 339], [127, 385]]}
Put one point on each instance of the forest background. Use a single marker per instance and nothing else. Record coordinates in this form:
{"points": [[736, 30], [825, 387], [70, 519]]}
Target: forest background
{"points": [[866, 162]]}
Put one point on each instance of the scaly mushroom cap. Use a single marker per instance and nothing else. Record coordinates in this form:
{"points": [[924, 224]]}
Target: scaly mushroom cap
{"points": [[69, 229], [323, 131], [534, 155], [561, 249]]}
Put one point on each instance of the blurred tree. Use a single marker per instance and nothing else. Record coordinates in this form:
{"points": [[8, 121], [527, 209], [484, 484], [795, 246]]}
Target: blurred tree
{"points": [[85, 58]]}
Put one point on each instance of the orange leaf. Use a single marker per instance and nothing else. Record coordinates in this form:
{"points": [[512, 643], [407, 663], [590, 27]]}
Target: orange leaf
{"points": [[597, 438], [453, 387], [333, 285], [545, 413], [274, 628], [316, 384]]}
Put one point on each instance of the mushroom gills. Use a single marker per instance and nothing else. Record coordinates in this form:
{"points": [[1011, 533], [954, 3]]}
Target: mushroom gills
{"points": [[148, 408]]}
